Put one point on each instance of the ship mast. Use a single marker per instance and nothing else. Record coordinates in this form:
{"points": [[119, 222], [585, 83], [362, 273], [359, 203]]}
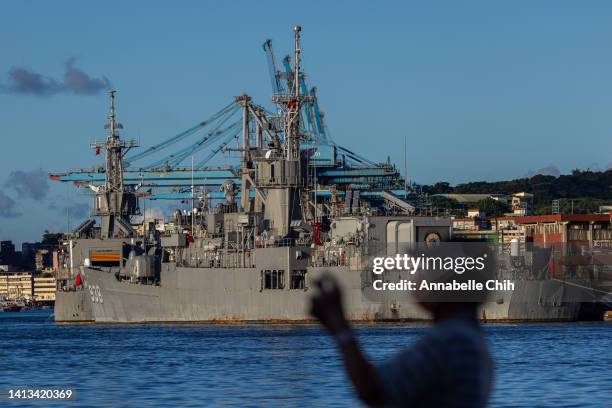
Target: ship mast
{"points": [[114, 146], [281, 172], [114, 202], [294, 103]]}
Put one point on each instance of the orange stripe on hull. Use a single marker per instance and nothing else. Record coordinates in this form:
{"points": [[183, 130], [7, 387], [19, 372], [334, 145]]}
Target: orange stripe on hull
{"points": [[105, 257]]}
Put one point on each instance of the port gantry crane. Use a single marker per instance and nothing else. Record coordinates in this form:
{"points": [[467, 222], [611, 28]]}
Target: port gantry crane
{"points": [[167, 177]]}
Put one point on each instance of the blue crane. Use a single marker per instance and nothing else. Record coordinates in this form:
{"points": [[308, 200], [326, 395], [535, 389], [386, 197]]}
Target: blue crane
{"points": [[318, 115], [275, 75], [307, 106], [335, 164]]}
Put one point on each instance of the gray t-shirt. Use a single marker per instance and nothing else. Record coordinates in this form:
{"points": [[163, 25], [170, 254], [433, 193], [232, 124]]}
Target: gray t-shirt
{"points": [[449, 367]]}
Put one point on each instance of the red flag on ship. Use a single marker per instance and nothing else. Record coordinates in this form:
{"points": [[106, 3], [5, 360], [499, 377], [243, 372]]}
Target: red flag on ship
{"points": [[78, 281], [97, 150]]}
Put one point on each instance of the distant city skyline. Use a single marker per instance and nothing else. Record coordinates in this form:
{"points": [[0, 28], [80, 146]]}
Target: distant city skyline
{"points": [[481, 91]]}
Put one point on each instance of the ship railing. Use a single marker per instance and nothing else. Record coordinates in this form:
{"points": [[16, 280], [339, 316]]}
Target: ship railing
{"points": [[336, 256], [285, 242], [271, 182], [234, 259]]}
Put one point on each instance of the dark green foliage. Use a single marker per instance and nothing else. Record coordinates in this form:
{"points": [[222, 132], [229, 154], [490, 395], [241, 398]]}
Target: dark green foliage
{"points": [[51, 238], [588, 190], [444, 202], [572, 206], [451, 206], [492, 208], [594, 184], [441, 187]]}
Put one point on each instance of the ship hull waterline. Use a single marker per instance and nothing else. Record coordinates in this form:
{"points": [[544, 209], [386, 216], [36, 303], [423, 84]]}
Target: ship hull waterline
{"points": [[231, 295]]}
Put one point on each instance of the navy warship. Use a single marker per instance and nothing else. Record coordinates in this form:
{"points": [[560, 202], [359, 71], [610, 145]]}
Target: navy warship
{"points": [[249, 251]]}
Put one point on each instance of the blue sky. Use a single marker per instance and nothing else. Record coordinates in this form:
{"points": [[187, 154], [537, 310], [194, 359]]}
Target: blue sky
{"points": [[481, 90]]}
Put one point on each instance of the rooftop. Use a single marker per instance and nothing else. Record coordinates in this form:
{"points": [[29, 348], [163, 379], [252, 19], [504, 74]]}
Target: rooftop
{"points": [[467, 198], [534, 219]]}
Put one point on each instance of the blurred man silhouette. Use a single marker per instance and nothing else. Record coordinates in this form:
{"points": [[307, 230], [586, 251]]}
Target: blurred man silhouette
{"points": [[450, 366]]}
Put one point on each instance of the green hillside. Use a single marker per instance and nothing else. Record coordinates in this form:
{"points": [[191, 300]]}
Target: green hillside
{"points": [[584, 190]]}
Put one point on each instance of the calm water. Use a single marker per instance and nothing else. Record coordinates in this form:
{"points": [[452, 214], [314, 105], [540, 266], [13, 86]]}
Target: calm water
{"points": [[157, 365]]}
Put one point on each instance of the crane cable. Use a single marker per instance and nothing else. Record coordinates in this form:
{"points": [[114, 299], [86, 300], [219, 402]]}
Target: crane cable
{"points": [[176, 158], [214, 152], [229, 109]]}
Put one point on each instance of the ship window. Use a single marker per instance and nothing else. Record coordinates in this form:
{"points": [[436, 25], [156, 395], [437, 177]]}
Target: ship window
{"points": [[272, 172], [298, 279], [273, 279]]}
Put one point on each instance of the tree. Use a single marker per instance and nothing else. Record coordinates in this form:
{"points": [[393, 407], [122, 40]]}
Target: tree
{"points": [[492, 208], [578, 185], [51, 238], [444, 202], [451, 206], [441, 187]]}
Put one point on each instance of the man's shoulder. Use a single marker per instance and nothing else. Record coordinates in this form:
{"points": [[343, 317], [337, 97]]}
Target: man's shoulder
{"points": [[453, 356]]}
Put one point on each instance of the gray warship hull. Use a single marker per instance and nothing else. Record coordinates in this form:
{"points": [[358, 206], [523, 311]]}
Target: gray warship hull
{"points": [[192, 295]]}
